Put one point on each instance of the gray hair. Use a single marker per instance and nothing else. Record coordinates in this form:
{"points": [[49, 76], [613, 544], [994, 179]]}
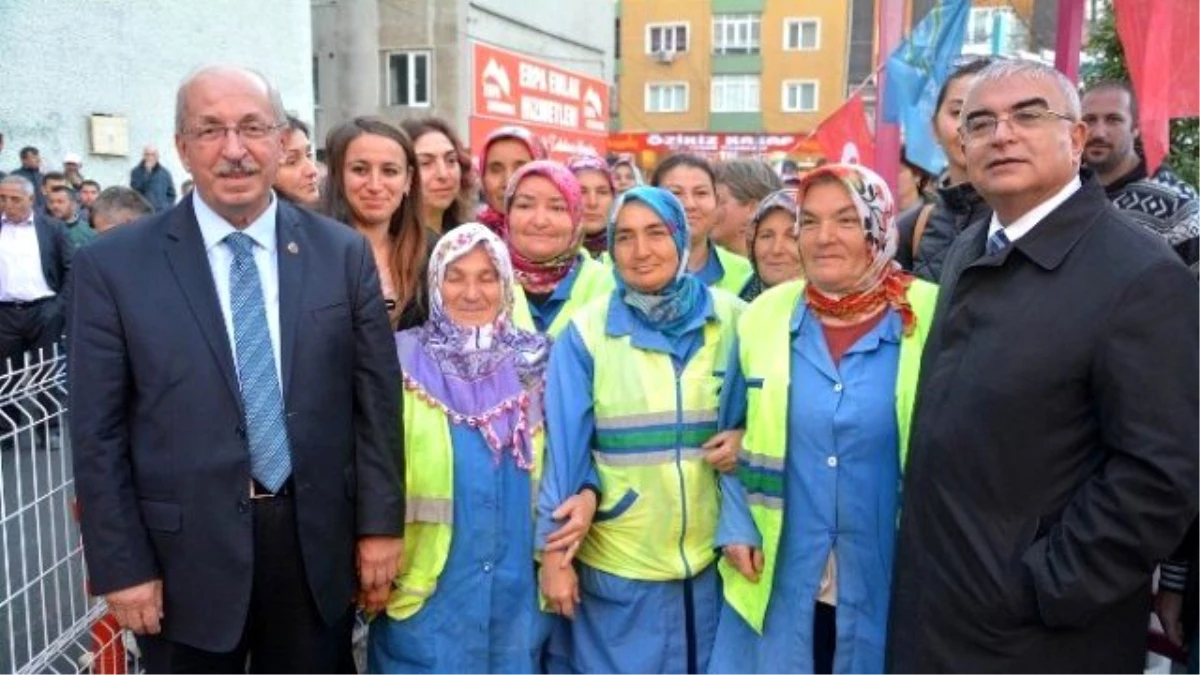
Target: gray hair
{"points": [[181, 111], [20, 181], [748, 180], [120, 205], [1004, 69]]}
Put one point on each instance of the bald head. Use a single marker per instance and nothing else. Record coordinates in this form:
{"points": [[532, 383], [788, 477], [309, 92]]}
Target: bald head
{"points": [[226, 73]]}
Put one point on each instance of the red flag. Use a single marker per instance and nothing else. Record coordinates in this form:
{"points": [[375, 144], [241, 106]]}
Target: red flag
{"points": [[1163, 86], [844, 135]]}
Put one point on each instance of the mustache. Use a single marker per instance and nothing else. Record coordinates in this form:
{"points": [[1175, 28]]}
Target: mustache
{"points": [[1098, 144], [245, 166]]}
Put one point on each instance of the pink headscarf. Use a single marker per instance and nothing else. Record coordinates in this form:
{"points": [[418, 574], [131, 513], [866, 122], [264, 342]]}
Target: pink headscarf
{"points": [[596, 243], [493, 219], [542, 277]]}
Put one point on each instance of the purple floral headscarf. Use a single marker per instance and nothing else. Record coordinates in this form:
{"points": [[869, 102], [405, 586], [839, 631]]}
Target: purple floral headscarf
{"points": [[488, 377]]}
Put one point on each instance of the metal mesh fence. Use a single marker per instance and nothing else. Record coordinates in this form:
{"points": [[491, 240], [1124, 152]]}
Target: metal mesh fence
{"points": [[48, 623]]}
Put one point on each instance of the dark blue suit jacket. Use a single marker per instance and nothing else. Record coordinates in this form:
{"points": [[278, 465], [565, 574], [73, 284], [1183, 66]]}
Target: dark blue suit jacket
{"points": [[162, 466]]}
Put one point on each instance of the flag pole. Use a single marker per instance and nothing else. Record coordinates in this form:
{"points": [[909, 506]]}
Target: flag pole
{"points": [[1068, 38], [887, 135]]}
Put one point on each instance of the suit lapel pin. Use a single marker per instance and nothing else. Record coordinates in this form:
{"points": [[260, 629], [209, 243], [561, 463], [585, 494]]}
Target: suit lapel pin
{"points": [[293, 248]]}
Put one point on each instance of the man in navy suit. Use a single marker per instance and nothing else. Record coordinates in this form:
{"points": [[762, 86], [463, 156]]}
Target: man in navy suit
{"points": [[235, 400], [35, 258]]}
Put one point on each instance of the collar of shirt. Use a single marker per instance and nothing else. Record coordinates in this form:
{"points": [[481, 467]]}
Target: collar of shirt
{"points": [[28, 220], [214, 228], [888, 330], [1021, 226], [713, 271]]}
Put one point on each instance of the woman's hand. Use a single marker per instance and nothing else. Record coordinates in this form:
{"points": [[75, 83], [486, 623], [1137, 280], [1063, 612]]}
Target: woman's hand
{"points": [[721, 451], [559, 584], [745, 559], [578, 511]]}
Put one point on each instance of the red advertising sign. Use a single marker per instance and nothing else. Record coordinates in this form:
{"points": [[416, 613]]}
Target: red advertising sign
{"points": [[567, 110], [714, 145]]}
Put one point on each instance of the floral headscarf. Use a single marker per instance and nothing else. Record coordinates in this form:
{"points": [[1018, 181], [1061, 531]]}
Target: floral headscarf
{"points": [[542, 277], [780, 200], [488, 377], [674, 307], [490, 217], [884, 282], [595, 243]]}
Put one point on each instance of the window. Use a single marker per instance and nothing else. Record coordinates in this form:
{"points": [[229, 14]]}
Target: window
{"points": [[671, 37], [800, 96], [736, 33], [801, 34], [666, 97], [735, 93], [408, 78]]}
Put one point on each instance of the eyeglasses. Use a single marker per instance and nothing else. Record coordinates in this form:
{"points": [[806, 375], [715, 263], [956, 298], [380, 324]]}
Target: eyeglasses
{"points": [[247, 131], [983, 127]]}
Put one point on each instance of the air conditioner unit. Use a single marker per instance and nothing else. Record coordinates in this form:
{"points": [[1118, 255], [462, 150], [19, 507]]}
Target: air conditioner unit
{"points": [[664, 57]]}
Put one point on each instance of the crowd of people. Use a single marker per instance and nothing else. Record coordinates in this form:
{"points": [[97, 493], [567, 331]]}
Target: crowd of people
{"points": [[532, 416]]}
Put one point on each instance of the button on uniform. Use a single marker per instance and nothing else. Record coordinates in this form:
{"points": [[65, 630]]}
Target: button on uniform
{"points": [[837, 387], [832, 462]]}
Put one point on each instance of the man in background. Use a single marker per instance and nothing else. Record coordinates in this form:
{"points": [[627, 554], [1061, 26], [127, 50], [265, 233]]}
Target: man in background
{"points": [[1164, 204], [35, 258], [61, 205], [88, 192], [118, 205], [153, 181], [31, 170], [73, 170]]}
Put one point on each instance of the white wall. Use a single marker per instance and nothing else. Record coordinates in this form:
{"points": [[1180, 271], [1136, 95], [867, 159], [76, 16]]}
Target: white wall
{"points": [[64, 60]]}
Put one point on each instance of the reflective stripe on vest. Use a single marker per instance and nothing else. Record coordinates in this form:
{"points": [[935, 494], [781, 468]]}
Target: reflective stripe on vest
{"points": [[738, 271], [429, 505], [764, 352], [658, 514], [593, 280]]}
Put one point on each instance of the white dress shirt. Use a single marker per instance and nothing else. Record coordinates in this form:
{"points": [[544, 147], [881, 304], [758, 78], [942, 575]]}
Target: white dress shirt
{"points": [[21, 276], [214, 229], [1021, 226]]}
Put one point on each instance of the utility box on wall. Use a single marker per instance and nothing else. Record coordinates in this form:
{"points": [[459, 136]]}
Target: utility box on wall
{"points": [[109, 135]]}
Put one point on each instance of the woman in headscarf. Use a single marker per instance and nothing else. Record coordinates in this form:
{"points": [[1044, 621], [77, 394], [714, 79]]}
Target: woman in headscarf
{"points": [[692, 180], [822, 381], [504, 151], [467, 600], [632, 402], [599, 191], [773, 244], [626, 174], [544, 231]]}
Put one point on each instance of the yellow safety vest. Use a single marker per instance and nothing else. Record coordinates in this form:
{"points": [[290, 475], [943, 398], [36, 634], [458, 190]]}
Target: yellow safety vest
{"points": [[764, 350], [738, 270], [658, 516], [429, 514], [591, 281]]}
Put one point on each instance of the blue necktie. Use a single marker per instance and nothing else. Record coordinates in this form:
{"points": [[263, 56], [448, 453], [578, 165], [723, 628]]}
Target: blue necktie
{"points": [[997, 242], [270, 457]]}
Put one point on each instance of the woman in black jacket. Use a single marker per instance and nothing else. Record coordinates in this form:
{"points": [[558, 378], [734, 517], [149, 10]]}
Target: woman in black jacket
{"points": [[927, 231]]}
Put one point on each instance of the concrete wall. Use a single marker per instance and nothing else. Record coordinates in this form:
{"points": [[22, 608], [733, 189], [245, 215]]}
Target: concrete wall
{"points": [[65, 60]]}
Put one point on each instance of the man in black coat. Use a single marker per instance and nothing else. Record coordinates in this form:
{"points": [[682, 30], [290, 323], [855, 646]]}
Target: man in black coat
{"points": [[235, 401], [1054, 449], [35, 259]]}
